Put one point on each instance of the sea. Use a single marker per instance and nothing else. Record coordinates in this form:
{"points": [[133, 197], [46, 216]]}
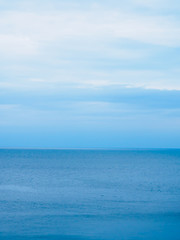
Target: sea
{"points": [[90, 194]]}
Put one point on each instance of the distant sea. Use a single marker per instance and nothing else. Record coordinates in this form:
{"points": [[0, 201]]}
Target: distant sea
{"points": [[90, 194]]}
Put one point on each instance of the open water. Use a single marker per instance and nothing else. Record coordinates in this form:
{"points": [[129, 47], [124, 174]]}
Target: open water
{"points": [[90, 194]]}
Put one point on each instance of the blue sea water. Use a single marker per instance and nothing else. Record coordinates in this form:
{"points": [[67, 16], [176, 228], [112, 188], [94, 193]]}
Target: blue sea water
{"points": [[90, 194]]}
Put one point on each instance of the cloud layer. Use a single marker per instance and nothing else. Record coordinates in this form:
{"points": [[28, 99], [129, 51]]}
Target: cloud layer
{"points": [[73, 65]]}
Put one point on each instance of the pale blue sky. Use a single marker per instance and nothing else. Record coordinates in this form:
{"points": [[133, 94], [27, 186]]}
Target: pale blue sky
{"points": [[77, 74]]}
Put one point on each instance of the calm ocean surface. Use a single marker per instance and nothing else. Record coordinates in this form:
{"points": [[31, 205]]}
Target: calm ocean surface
{"points": [[90, 194]]}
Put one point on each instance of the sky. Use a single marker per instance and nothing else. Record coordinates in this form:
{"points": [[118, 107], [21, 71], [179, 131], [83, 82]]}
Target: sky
{"points": [[89, 74]]}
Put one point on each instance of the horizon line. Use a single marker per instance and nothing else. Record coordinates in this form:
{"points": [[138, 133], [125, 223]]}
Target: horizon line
{"points": [[93, 148]]}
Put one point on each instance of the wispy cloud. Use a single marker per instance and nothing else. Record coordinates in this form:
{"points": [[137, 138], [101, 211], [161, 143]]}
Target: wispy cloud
{"points": [[99, 24], [109, 65], [13, 45]]}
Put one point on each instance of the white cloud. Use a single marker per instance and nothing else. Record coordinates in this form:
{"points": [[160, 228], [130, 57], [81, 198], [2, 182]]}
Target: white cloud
{"points": [[157, 4], [95, 30], [13, 45], [44, 28], [146, 79]]}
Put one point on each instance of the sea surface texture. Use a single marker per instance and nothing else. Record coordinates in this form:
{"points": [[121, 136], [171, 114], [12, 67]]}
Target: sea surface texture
{"points": [[90, 194]]}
